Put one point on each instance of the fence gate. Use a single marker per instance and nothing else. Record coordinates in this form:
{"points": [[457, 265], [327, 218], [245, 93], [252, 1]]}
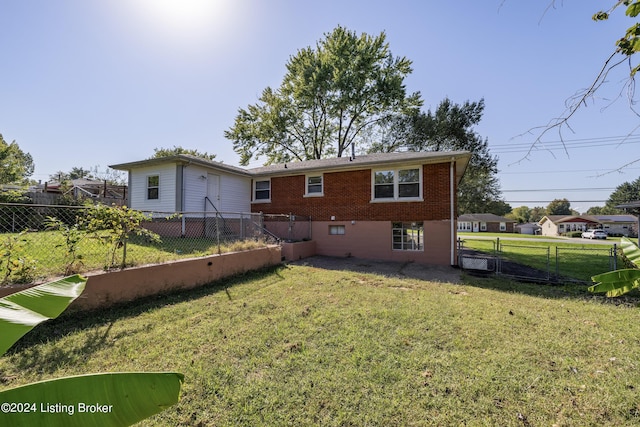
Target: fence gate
{"points": [[524, 262]]}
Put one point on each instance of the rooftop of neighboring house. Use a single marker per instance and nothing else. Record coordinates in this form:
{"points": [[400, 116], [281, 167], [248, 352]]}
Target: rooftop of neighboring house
{"points": [[488, 217], [595, 219]]}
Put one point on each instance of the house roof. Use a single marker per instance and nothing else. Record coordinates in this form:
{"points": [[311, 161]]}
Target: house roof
{"points": [[596, 219], [367, 161], [529, 225], [489, 217], [333, 164], [635, 204], [615, 218], [183, 159]]}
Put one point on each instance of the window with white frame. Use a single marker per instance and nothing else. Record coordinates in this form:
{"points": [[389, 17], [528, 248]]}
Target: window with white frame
{"points": [[464, 226], [397, 184], [153, 187], [262, 191], [408, 236], [503, 226], [336, 230], [483, 226], [314, 185]]}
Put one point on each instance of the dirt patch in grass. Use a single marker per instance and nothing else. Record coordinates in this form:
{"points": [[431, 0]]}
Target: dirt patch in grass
{"points": [[434, 273]]}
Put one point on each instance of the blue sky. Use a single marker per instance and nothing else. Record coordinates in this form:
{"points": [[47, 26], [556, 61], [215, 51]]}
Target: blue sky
{"points": [[89, 83]]}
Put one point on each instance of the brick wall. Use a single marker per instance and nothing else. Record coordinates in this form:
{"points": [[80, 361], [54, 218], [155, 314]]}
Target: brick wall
{"points": [[347, 196]]}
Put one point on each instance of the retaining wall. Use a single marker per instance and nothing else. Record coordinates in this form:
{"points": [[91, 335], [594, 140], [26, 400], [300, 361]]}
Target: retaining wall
{"points": [[109, 288]]}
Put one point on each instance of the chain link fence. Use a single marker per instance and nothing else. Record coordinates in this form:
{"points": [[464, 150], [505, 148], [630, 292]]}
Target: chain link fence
{"points": [[41, 241], [542, 262]]}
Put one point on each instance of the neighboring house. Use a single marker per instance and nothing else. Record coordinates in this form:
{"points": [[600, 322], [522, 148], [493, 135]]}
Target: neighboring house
{"points": [[557, 225], [485, 223], [392, 206], [528, 228], [618, 225]]}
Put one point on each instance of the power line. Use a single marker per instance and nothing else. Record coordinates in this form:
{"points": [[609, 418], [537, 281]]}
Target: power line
{"points": [[563, 145], [559, 171], [557, 189]]}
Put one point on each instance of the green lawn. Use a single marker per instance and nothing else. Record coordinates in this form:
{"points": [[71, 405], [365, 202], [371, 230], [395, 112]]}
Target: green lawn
{"points": [[576, 260], [303, 346], [50, 251]]}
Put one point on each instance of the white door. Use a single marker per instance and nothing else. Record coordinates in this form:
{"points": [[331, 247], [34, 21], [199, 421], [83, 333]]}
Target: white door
{"points": [[476, 227], [213, 192]]}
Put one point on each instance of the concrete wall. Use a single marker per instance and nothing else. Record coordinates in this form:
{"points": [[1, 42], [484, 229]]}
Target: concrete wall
{"points": [[109, 288], [292, 251], [373, 240]]}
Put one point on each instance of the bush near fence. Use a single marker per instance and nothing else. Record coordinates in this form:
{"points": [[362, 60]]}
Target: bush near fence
{"points": [[30, 251]]}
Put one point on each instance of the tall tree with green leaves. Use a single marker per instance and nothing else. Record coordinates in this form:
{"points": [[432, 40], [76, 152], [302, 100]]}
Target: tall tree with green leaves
{"points": [[166, 152], [330, 98], [624, 193], [15, 165], [559, 207], [450, 127]]}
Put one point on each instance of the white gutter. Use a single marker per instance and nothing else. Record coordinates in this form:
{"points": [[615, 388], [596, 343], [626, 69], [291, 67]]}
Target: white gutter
{"points": [[452, 205]]}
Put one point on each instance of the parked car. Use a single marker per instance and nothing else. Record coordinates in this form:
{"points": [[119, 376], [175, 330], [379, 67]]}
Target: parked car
{"points": [[594, 234]]}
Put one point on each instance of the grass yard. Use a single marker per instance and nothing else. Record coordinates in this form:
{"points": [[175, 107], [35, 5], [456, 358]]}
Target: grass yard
{"points": [[50, 251], [301, 346], [578, 261]]}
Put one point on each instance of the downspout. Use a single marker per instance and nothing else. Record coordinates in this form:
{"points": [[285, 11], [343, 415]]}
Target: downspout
{"points": [[452, 210]]}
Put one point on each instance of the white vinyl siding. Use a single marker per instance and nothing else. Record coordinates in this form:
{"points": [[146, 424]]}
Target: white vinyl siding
{"points": [[138, 198], [234, 191]]}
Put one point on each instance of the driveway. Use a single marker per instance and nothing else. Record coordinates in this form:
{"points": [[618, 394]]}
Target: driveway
{"points": [[433, 273]]}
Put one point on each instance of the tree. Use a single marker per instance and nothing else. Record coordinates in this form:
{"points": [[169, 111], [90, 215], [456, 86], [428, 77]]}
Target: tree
{"points": [[559, 207], [624, 193], [450, 127], [111, 176], [537, 213], [15, 165], [521, 214], [166, 152], [625, 48], [330, 98]]}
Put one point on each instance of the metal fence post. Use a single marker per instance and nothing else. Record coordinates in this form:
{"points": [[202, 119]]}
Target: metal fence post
{"points": [[548, 263], [615, 257], [218, 232], [290, 231], [497, 256]]}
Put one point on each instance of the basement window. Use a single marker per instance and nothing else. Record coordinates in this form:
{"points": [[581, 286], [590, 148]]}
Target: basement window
{"points": [[408, 236], [336, 230]]}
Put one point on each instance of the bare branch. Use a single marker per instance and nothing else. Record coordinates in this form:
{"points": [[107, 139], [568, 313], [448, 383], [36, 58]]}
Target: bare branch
{"points": [[573, 104]]}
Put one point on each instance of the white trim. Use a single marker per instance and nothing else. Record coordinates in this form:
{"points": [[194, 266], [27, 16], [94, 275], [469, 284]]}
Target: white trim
{"points": [[253, 191], [396, 185], [306, 185], [452, 211], [147, 187]]}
